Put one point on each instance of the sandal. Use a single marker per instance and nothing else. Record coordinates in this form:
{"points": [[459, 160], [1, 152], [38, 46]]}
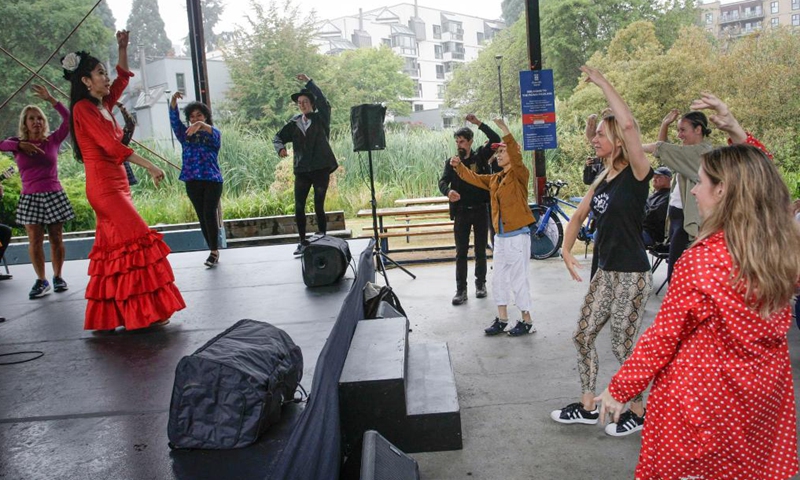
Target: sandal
{"points": [[212, 260]]}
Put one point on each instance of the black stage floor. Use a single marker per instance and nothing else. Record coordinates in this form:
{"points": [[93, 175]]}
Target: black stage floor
{"points": [[95, 406]]}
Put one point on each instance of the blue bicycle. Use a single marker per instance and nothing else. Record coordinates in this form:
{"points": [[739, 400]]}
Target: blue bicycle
{"points": [[548, 235]]}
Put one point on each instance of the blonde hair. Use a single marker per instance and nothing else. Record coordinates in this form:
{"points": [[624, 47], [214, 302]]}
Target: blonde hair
{"points": [[613, 133], [755, 214], [23, 128]]}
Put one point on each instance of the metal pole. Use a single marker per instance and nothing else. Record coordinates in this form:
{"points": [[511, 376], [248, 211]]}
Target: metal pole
{"points": [[535, 57], [171, 133], [197, 47], [499, 60]]}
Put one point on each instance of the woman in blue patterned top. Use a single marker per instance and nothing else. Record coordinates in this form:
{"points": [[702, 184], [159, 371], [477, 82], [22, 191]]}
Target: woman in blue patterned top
{"points": [[201, 142]]}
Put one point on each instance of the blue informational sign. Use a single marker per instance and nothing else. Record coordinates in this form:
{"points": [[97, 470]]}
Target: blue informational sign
{"points": [[538, 109]]}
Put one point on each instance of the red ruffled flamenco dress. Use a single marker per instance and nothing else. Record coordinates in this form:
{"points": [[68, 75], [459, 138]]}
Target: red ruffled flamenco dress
{"points": [[132, 283]]}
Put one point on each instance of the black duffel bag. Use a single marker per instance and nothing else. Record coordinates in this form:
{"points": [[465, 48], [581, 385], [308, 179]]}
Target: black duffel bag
{"points": [[231, 389]]}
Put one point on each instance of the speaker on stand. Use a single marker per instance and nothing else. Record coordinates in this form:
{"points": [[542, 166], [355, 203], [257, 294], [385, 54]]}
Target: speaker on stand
{"points": [[366, 124]]}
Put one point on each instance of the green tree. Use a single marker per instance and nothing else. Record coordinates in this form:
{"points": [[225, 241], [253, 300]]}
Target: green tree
{"points": [[474, 87], [367, 75], [572, 30], [212, 12], [512, 10], [104, 13], [147, 29], [31, 30], [263, 60]]}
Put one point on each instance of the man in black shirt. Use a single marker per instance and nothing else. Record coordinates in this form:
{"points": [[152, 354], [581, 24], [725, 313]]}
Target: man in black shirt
{"points": [[655, 210], [469, 206]]}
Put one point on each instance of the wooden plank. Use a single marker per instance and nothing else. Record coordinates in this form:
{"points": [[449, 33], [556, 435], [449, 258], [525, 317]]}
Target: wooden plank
{"points": [[421, 201], [416, 233], [422, 217], [407, 211], [413, 225]]}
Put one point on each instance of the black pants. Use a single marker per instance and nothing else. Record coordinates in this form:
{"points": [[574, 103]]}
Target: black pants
{"points": [[678, 238], [303, 182], [5, 238], [468, 219], [205, 196]]}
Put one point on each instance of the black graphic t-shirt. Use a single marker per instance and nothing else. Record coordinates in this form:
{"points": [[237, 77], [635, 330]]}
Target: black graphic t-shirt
{"points": [[618, 206]]}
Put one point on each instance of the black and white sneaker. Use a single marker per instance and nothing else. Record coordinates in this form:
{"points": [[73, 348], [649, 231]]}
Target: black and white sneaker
{"points": [[628, 423], [575, 413]]}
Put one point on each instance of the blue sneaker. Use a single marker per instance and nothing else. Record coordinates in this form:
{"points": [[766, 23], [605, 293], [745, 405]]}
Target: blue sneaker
{"points": [[40, 289], [59, 285], [521, 328], [496, 327]]}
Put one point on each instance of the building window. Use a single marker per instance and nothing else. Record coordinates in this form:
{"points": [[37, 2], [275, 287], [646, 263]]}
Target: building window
{"points": [[440, 71], [709, 18], [447, 122], [180, 81], [437, 52], [439, 91], [480, 38], [418, 107], [437, 31], [795, 4], [773, 7], [795, 20], [386, 41], [774, 22], [419, 90]]}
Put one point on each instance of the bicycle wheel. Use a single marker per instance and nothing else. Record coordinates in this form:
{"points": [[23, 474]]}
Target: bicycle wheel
{"points": [[545, 241]]}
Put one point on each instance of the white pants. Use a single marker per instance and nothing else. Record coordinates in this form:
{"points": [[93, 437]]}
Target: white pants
{"points": [[511, 256]]}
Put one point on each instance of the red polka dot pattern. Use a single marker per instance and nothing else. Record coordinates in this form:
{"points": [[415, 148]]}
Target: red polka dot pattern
{"points": [[722, 403]]}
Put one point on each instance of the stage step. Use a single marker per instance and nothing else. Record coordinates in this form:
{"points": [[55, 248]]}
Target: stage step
{"points": [[431, 398], [405, 391]]}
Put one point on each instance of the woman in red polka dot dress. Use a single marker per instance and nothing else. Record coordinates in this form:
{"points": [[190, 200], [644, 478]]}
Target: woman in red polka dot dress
{"points": [[722, 402]]}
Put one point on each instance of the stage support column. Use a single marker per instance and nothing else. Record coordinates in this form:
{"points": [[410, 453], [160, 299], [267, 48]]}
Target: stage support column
{"points": [[535, 60], [197, 47]]}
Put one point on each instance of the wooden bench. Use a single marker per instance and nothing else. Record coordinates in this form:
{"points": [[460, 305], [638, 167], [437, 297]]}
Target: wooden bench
{"points": [[410, 215]]}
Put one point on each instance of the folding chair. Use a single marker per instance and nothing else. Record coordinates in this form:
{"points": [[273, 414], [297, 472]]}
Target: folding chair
{"points": [[660, 254]]}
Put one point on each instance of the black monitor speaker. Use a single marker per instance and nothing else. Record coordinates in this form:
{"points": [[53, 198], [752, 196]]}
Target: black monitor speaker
{"points": [[380, 460], [366, 125], [325, 261]]}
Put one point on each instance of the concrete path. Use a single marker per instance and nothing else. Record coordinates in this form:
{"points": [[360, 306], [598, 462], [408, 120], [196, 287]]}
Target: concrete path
{"points": [[96, 406]]}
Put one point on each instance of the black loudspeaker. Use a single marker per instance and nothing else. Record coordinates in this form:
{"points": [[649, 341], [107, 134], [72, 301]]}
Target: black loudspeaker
{"points": [[366, 125], [325, 261], [380, 460]]}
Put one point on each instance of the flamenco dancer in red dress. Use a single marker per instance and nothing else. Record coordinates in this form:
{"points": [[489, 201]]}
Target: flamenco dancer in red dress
{"points": [[132, 283]]}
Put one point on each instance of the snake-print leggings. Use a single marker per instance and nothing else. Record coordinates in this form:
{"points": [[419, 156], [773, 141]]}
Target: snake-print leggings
{"points": [[620, 297]]}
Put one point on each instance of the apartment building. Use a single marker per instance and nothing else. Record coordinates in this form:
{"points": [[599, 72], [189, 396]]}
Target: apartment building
{"points": [[733, 19], [433, 43]]}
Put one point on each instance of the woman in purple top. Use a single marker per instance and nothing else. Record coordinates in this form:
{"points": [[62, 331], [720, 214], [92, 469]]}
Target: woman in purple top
{"points": [[201, 142], [42, 202]]}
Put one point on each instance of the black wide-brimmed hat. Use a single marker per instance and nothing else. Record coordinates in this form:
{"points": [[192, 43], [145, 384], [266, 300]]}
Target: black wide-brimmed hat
{"points": [[304, 93]]}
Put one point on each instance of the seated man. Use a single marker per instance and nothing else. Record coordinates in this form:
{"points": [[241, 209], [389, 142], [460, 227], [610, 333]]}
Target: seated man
{"points": [[655, 219]]}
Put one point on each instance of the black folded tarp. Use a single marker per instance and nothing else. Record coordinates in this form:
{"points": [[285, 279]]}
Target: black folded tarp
{"points": [[314, 449]]}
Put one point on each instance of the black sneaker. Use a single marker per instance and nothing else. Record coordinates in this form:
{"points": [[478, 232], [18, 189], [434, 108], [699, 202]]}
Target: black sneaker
{"points": [[300, 247], [521, 328], [497, 327], [575, 413], [59, 285], [212, 260], [460, 297], [480, 290], [40, 289], [628, 423]]}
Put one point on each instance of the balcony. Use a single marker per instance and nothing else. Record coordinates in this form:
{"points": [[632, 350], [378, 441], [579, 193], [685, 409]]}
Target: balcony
{"points": [[457, 55], [457, 36], [737, 16], [405, 51]]}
